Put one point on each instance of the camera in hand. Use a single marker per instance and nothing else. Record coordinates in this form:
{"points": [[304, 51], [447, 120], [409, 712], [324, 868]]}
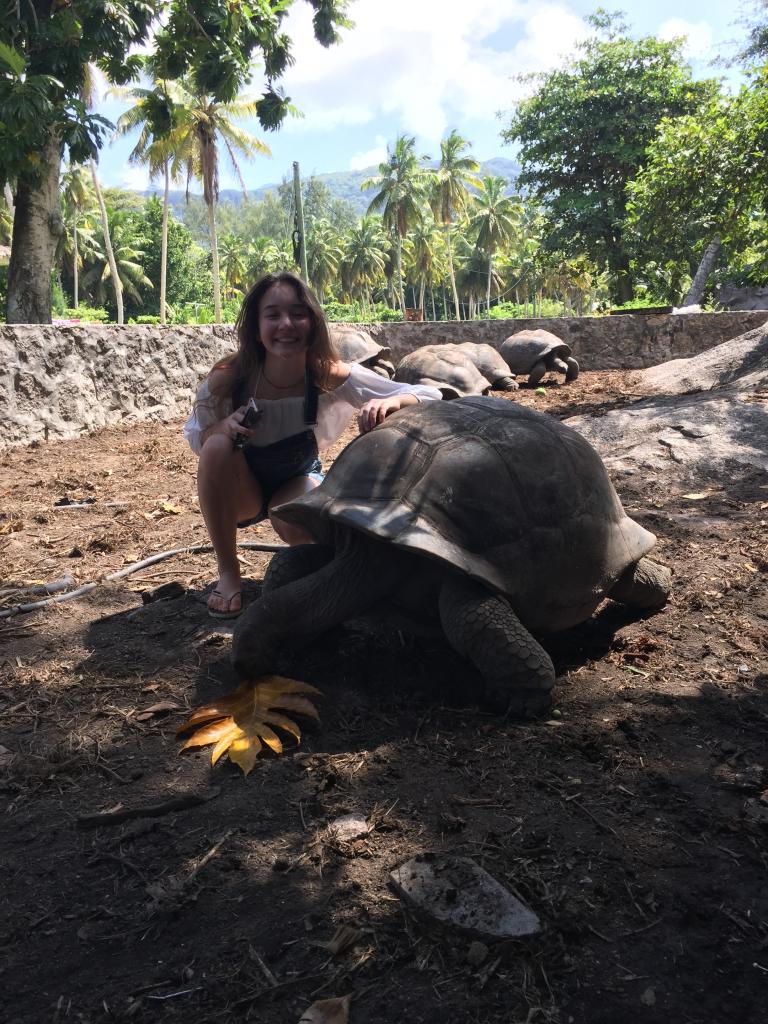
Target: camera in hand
{"points": [[252, 414]]}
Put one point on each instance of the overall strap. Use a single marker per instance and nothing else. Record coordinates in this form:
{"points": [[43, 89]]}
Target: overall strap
{"points": [[310, 398]]}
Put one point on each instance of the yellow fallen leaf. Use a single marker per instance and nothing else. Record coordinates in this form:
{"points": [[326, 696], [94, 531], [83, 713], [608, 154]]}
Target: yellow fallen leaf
{"points": [[327, 1011], [239, 723], [697, 496], [12, 526], [174, 510]]}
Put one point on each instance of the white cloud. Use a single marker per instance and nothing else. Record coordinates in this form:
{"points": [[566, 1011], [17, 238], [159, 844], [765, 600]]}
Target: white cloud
{"points": [[427, 65], [134, 178], [699, 37], [370, 157]]}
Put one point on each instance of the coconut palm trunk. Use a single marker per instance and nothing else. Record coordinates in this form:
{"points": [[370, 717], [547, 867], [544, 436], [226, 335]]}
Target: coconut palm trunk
{"points": [[214, 261], [116, 283], [164, 244], [452, 275], [75, 271], [488, 287]]}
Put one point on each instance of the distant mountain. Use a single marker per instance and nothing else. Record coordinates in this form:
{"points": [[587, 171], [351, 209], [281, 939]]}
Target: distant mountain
{"points": [[346, 184]]}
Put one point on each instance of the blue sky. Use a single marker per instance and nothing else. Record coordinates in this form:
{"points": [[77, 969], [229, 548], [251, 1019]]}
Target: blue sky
{"points": [[426, 66]]}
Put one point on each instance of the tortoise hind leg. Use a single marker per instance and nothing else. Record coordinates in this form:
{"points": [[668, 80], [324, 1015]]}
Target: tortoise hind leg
{"points": [[518, 672], [645, 584], [537, 372]]}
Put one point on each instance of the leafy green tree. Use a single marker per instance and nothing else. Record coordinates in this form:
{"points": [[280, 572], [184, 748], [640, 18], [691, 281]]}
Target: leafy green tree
{"points": [[232, 263], [323, 254], [401, 185], [187, 273], [77, 197], [127, 261], [450, 196], [201, 128], [266, 256], [495, 219], [45, 49], [364, 259], [755, 51], [706, 180], [429, 261], [583, 136]]}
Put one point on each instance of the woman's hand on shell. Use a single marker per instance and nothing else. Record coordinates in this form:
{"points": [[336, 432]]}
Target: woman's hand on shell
{"points": [[376, 411]]}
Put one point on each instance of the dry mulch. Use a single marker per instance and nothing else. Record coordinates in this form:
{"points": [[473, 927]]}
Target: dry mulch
{"points": [[634, 821]]}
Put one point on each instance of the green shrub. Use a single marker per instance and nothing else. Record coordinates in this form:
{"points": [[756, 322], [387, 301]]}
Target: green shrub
{"points": [[516, 311], [144, 320], [87, 314]]}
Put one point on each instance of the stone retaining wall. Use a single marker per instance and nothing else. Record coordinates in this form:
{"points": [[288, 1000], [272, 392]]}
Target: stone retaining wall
{"points": [[58, 381]]}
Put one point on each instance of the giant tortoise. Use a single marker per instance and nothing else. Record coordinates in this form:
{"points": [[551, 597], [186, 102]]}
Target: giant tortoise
{"points": [[490, 363], [357, 346], [445, 367], [535, 352], [487, 519]]}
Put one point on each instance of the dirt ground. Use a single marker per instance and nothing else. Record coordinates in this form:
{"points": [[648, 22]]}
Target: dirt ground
{"points": [[633, 821]]}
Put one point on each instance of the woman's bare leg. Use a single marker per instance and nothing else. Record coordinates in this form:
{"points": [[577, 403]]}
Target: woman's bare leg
{"points": [[289, 532], [228, 493]]}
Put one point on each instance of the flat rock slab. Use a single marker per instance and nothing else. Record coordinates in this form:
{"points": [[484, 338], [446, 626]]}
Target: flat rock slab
{"points": [[457, 892]]}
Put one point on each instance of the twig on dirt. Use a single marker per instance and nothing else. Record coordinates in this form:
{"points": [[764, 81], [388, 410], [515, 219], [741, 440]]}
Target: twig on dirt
{"points": [[122, 861], [120, 573], [177, 803], [570, 801], [257, 959], [206, 857], [643, 928]]}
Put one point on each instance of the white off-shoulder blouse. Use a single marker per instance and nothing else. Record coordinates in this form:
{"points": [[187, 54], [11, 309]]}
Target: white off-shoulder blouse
{"points": [[282, 417]]}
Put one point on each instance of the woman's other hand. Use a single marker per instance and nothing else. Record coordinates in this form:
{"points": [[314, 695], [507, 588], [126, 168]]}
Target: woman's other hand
{"points": [[231, 427], [377, 409]]}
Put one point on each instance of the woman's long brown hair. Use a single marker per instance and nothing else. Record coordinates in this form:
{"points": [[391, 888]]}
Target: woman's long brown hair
{"points": [[250, 354]]}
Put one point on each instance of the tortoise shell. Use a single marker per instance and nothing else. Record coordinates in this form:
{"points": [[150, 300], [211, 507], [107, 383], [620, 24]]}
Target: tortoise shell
{"points": [[523, 350], [356, 346], [509, 496], [445, 367]]}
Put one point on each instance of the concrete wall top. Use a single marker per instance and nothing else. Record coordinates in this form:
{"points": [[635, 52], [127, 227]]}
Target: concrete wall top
{"points": [[58, 381]]}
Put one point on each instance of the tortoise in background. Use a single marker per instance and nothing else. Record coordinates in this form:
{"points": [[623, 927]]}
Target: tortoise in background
{"points": [[356, 346], [490, 363], [536, 352], [488, 520], [445, 367]]}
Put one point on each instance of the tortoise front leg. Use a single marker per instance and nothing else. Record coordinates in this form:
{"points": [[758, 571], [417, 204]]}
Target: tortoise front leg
{"points": [[573, 370], [295, 562], [518, 672]]}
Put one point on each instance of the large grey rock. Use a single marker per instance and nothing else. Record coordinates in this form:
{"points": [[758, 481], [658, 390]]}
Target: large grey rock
{"points": [[710, 414], [455, 891]]}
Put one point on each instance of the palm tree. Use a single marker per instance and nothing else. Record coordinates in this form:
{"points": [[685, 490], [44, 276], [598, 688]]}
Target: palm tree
{"points": [[400, 186], [125, 262], [157, 154], [364, 258], [76, 196], [449, 192], [428, 257], [202, 125], [323, 254], [232, 253], [495, 218]]}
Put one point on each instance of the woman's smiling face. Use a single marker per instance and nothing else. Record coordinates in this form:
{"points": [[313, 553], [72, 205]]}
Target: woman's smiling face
{"points": [[285, 322]]}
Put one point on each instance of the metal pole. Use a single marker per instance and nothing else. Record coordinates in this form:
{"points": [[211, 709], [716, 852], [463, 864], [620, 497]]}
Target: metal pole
{"points": [[300, 221]]}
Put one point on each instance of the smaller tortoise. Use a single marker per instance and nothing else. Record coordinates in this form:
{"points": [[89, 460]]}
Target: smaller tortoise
{"points": [[487, 520], [490, 363], [356, 346], [445, 367], [536, 352]]}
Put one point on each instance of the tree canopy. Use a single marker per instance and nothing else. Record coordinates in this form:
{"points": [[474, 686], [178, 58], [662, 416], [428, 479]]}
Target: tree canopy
{"points": [[45, 51], [584, 132]]}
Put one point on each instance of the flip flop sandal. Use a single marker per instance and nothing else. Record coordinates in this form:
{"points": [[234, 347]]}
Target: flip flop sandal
{"points": [[230, 612]]}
